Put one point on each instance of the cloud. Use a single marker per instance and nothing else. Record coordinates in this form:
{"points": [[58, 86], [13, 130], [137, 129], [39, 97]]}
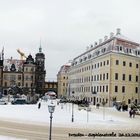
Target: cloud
{"points": [[65, 27]]}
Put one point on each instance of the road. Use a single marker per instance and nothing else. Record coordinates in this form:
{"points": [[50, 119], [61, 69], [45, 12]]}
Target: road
{"points": [[40, 132]]}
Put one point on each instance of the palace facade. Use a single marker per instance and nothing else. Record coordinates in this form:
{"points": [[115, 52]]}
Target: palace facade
{"points": [[108, 71]]}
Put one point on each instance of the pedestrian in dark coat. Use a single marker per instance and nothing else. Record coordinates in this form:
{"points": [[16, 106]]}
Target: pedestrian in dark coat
{"points": [[130, 113], [133, 113], [39, 105]]}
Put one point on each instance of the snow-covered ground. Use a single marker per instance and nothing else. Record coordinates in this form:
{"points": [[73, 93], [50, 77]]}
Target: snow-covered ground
{"points": [[9, 138], [102, 118], [63, 114]]}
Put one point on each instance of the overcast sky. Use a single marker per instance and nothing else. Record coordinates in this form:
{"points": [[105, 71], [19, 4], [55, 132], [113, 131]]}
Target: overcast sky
{"points": [[65, 27]]}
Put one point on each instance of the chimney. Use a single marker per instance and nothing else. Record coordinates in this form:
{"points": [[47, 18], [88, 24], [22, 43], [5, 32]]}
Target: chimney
{"points": [[100, 41], [105, 37], [111, 34], [95, 44], [91, 46], [118, 31]]}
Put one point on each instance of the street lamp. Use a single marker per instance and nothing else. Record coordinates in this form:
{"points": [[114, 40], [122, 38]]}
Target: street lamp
{"points": [[51, 108], [72, 119], [104, 103]]}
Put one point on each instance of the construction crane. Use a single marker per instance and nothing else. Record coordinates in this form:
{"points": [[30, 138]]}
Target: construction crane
{"points": [[22, 55]]}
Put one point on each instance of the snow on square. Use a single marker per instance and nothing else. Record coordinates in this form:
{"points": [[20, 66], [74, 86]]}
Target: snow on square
{"points": [[104, 117]]}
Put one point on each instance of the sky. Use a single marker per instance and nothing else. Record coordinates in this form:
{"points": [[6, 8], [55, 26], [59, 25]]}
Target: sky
{"points": [[64, 27]]}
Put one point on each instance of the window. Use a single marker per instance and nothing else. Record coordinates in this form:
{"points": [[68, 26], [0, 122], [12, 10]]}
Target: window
{"points": [[19, 84], [117, 62], [100, 88], [100, 64], [103, 76], [12, 77], [104, 63], [97, 88], [129, 101], [130, 77], [26, 77], [137, 65], [136, 78], [100, 76], [130, 64], [97, 77], [123, 89], [103, 88], [107, 62], [136, 89], [116, 88], [107, 76], [31, 77], [94, 77], [106, 88], [19, 77], [64, 77], [95, 66], [116, 76], [124, 63], [123, 77]]}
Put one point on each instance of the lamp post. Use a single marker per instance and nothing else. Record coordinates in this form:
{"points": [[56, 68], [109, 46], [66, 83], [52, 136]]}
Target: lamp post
{"points": [[51, 109], [72, 119], [103, 103]]}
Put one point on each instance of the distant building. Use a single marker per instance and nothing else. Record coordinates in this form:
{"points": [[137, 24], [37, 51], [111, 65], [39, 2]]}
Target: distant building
{"points": [[62, 79], [51, 86], [108, 71]]}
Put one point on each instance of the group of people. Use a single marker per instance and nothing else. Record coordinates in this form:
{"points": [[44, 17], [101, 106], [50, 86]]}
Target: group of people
{"points": [[132, 113]]}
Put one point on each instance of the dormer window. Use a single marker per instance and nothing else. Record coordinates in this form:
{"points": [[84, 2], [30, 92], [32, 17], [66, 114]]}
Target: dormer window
{"points": [[85, 58], [89, 56], [80, 60], [98, 52], [103, 50]]}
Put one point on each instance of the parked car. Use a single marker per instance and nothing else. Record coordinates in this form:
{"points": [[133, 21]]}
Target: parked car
{"points": [[19, 101], [3, 102]]}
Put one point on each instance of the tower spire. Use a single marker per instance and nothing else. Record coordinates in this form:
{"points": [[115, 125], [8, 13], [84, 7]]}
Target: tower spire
{"points": [[2, 53], [40, 48]]}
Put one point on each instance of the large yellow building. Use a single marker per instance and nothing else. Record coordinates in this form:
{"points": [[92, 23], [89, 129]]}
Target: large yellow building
{"points": [[62, 79], [108, 71]]}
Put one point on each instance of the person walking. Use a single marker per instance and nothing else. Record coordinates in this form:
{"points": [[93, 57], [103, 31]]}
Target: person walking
{"points": [[133, 113], [39, 105], [130, 113]]}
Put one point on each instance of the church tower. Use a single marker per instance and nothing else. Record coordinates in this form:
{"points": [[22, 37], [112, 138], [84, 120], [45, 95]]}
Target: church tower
{"points": [[1, 70], [40, 72]]}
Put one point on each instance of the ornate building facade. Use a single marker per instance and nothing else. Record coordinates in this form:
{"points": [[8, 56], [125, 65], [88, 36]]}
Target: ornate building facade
{"points": [[107, 71], [23, 76]]}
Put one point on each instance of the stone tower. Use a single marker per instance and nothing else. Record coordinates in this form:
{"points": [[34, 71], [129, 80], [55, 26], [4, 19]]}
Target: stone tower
{"points": [[1, 71], [40, 72]]}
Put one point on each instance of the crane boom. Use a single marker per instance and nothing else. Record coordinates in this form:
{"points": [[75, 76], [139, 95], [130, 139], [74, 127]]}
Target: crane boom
{"points": [[22, 55]]}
